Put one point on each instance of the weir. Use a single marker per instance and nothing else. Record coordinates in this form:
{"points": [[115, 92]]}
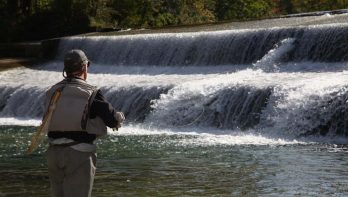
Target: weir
{"points": [[313, 43], [286, 80]]}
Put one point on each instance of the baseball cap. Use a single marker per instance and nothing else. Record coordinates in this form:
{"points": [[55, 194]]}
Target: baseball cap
{"points": [[73, 60]]}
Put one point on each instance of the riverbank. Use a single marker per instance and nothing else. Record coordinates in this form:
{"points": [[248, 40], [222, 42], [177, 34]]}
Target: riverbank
{"points": [[288, 21], [26, 53]]}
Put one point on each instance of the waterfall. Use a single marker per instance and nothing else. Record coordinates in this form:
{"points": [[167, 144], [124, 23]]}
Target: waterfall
{"points": [[21, 101], [289, 80], [314, 43], [134, 102], [206, 105], [272, 59]]}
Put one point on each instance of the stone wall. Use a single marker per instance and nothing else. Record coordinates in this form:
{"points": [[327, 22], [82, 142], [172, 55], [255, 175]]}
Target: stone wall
{"points": [[43, 50], [23, 50]]}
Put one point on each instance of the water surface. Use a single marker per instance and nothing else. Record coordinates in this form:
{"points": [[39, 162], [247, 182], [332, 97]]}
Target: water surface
{"points": [[186, 164]]}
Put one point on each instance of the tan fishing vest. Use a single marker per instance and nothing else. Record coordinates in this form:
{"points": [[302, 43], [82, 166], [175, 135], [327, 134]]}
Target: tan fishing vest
{"points": [[72, 108]]}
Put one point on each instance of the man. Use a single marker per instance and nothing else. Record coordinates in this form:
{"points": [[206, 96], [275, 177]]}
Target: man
{"points": [[81, 114]]}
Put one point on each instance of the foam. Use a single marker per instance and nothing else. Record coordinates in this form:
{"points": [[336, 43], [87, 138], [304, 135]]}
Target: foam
{"points": [[20, 121]]}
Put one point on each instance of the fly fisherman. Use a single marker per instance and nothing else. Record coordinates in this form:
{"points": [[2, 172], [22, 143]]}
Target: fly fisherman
{"points": [[81, 115]]}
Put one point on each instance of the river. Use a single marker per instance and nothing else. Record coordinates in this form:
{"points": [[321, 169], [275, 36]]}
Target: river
{"points": [[245, 112]]}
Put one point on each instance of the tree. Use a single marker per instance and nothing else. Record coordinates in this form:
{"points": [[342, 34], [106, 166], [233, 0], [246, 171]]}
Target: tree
{"points": [[195, 12], [286, 6], [244, 9], [102, 14], [19, 19], [125, 13]]}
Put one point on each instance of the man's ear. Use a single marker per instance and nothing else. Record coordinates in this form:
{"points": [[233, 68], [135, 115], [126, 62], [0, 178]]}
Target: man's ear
{"points": [[84, 67]]}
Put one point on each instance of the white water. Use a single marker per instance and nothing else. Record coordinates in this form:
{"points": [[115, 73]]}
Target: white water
{"points": [[269, 101], [292, 93], [214, 48], [272, 59]]}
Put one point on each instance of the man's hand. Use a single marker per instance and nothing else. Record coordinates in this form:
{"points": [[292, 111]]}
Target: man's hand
{"points": [[120, 119]]}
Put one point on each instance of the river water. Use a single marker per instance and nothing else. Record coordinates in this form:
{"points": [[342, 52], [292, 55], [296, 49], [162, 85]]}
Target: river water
{"points": [[136, 162], [249, 112]]}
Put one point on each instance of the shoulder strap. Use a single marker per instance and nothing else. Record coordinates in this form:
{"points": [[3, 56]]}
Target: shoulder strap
{"points": [[87, 108]]}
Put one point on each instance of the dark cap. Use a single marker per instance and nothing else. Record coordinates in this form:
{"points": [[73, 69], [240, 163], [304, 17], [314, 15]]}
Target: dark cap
{"points": [[73, 60]]}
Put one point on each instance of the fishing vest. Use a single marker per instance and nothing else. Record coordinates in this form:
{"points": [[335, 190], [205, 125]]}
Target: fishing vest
{"points": [[72, 109]]}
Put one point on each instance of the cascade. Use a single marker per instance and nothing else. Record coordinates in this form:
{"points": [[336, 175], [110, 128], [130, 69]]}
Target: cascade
{"points": [[273, 58], [288, 80], [324, 43]]}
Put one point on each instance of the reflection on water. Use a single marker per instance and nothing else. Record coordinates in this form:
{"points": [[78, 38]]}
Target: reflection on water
{"points": [[161, 165]]}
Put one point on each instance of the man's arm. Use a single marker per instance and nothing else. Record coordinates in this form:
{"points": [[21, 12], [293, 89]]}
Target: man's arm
{"points": [[102, 108]]}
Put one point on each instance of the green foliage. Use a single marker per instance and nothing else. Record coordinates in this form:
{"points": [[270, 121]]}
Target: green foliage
{"points": [[101, 14], [40, 19], [317, 5], [192, 12], [244, 9]]}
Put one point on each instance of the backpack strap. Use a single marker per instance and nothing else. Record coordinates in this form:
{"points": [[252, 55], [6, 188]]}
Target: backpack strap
{"points": [[86, 111]]}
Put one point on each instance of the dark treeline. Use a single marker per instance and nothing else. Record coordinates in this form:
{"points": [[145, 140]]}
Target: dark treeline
{"points": [[22, 20]]}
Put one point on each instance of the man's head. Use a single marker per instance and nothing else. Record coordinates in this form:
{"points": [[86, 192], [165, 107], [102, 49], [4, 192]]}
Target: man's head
{"points": [[75, 63]]}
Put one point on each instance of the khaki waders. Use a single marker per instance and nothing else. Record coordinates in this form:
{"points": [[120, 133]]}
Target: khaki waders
{"points": [[71, 172]]}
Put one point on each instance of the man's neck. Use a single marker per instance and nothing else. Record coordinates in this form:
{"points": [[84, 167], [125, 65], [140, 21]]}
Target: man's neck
{"points": [[76, 77]]}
